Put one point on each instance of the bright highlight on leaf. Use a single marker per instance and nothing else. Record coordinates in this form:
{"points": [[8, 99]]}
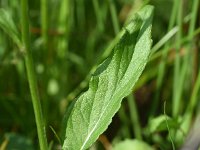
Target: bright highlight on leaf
{"points": [[111, 82]]}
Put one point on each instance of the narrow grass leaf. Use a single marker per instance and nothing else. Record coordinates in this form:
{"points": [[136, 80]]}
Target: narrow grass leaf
{"points": [[7, 24], [111, 82]]}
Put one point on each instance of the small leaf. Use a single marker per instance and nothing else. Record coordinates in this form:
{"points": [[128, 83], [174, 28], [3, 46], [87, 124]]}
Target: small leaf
{"points": [[7, 24], [132, 145], [112, 81], [159, 124]]}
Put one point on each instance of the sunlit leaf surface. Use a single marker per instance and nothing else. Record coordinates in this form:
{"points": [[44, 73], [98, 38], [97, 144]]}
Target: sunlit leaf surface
{"points": [[111, 82]]}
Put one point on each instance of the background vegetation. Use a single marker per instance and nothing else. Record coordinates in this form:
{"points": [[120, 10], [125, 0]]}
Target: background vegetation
{"points": [[68, 39]]}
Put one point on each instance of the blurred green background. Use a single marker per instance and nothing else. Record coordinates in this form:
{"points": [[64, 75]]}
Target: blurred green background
{"points": [[70, 40]]}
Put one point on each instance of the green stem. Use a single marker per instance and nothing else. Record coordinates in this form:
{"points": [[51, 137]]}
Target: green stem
{"points": [[100, 23], [176, 83], [32, 77], [134, 117], [194, 96], [187, 118], [64, 27], [123, 117], [44, 52], [162, 65], [114, 17], [183, 41], [193, 18]]}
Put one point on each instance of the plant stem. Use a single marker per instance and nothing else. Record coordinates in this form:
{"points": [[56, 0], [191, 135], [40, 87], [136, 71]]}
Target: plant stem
{"points": [[32, 77], [134, 117], [176, 83], [193, 18], [162, 65], [64, 27], [123, 117], [194, 97], [100, 23], [113, 12]]}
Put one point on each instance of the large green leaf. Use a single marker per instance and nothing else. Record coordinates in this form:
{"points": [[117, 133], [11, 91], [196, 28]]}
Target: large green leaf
{"points": [[112, 81]]}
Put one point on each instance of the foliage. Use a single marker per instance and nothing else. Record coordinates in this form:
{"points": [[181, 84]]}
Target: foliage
{"points": [[68, 41], [110, 83]]}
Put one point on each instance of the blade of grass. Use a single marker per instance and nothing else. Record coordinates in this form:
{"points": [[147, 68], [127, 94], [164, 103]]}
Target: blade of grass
{"points": [[64, 25], [162, 65], [113, 12], [90, 46], [95, 35], [187, 118], [165, 39], [183, 41], [44, 26], [166, 120], [193, 99], [168, 36], [98, 14], [32, 77], [124, 120], [134, 117], [193, 18], [176, 81]]}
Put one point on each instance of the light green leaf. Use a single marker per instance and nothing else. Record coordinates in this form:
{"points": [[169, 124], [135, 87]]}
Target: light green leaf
{"points": [[159, 124], [113, 80], [7, 24], [132, 145]]}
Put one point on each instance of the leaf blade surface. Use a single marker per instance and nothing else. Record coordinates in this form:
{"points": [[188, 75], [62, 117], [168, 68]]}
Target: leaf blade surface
{"points": [[112, 81]]}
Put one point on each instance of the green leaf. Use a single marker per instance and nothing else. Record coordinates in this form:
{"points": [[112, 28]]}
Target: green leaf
{"points": [[132, 145], [7, 24], [112, 81], [159, 124]]}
